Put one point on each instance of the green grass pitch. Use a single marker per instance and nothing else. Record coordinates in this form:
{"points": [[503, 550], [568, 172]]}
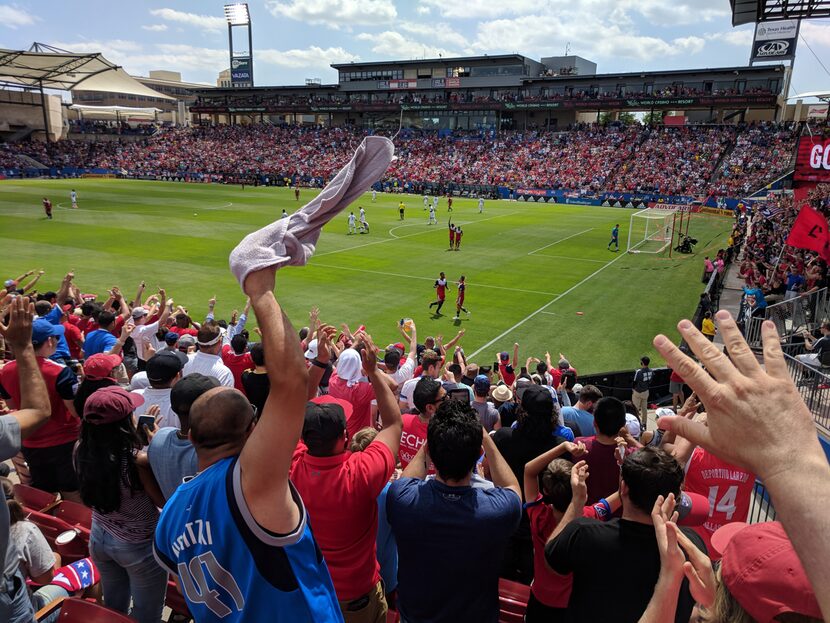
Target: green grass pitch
{"points": [[530, 267]]}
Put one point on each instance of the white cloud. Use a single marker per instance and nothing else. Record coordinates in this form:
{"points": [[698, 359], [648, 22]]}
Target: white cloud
{"points": [[312, 57], [393, 45], [335, 13], [814, 34], [479, 9], [423, 10], [113, 49], [438, 31], [739, 38], [12, 16], [664, 13], [203, 22], [155, 27]]}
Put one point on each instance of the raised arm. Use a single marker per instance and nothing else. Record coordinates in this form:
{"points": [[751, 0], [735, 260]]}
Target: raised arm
{"points": [[32, 283], [747, 402], [453, 341], [322, 362], [34, 408], [266, 458], [139, 294], [390, 413], [579, 476], [63, 292], [500, 471], [538, 465]]}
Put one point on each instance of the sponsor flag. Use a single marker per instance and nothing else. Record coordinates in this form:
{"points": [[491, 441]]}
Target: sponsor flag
{"points": [[810, 231]]}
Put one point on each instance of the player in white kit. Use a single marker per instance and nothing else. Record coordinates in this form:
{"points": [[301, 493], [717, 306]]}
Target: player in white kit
{"points": [[74, 197], [435, 202], [352, 226], [432, 219], [364, 224], [374, 195], [480, 205], [426, 202]]}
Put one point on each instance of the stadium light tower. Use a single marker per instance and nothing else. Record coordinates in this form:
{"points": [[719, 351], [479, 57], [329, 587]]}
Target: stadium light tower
{"points": [[242, 61]]}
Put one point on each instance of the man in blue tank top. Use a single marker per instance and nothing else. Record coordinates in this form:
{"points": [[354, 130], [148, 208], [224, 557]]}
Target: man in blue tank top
{"points": [[237, 535]]}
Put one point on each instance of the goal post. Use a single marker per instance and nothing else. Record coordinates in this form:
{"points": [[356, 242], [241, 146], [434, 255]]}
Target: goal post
{"points": [[652, 230]]}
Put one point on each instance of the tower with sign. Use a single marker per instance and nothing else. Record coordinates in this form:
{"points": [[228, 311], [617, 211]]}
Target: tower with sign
{"points": [[242, 60]]}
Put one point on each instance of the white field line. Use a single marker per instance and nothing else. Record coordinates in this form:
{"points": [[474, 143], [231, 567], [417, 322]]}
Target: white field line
{"points": [[417, 233], [563, 240], [544, 307], [402, 276]]}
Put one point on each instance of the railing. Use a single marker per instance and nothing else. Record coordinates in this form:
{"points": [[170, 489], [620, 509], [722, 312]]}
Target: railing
{"points": [[760, 508], [791, 316]]}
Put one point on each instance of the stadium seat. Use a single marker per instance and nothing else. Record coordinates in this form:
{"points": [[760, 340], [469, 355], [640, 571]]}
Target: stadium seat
{"points": [[35, 499], [513, 599], [392, 616], [71, 549], [81, 611], [74, 514], [175, 600]]}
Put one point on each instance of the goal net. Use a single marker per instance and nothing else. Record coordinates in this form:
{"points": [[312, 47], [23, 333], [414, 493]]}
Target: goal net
{"points": [[651, 230]]}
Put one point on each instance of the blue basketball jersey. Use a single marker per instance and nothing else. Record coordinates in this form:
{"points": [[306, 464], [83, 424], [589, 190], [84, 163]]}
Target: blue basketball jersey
{"points": [[229, 567]]}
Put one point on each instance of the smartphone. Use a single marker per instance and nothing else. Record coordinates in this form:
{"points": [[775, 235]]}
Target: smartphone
{"points": [[150, 422], [461, 395], [496, 365]]}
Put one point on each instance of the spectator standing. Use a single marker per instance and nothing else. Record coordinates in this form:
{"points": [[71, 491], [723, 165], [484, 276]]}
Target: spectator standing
{"points": [[207, 360], [488, 417], [255, 381], [164, 369], [639, 391], [433, 517], [428, 395], [340, 489], [604, 456], [123, 497], [580, 417], [237, 358]]}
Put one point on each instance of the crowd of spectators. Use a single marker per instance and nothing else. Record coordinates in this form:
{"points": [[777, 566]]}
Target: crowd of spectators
{"points": [[209, 451], [586, 158]]}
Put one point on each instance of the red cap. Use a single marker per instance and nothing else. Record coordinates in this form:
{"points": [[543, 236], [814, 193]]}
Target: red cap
{"points": [[100, 366], [110, 404], [692, 508], [344, 404], [762, 571]]}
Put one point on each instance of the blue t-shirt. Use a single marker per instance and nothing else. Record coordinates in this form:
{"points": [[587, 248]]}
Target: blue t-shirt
{"points": [[230, 568], [450, 546], [794, 282], [54, 317], [387, 549], [172, 459], [758, 294], [98, 341], [581, 420], [615, 232]]}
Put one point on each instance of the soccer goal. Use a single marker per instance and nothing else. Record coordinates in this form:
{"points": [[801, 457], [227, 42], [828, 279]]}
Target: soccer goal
{"points": [[651, 230]]}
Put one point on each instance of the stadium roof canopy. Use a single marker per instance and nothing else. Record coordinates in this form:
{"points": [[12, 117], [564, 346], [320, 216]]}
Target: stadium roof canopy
{"points": [[115, 112], [752, 11], [822, 95], [45, 67]]}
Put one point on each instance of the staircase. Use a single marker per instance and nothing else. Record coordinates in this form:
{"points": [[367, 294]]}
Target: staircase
{"points": [[27, 162], [716, 175], [18, 134]]}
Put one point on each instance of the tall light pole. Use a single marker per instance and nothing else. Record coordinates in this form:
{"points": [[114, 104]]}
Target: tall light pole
{"points": [[242, 62]]}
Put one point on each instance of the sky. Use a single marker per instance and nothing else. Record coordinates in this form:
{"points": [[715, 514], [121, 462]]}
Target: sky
{"points": [[298, 39]]}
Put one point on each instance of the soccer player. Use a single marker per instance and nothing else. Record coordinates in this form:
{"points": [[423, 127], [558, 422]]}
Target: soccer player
{"points": [[364, 224], [241, 509], [449, 203], [352, 227], [459, 300], [452, 236], [401, 207], [426, 202], [615, 238], [432, 219], [296, 193], [458, 234], [374, 195], [435, 202], [481, 205], [74, 197], [441, 290], [47, 207]]}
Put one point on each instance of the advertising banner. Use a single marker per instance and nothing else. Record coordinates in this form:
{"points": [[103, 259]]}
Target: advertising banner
{"points": [[775, 41], [817, 111], [812, 163], [397, 84], [241, 69]]}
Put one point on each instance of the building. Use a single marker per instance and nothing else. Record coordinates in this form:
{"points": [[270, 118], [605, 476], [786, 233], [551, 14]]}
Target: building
{"points": [[167, 82], [223, 81], [502, 92]]}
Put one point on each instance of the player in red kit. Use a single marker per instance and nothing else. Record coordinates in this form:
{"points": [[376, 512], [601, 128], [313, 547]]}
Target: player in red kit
{"points": [[458, 234], [459, 301], [452, 236], [47, 207], [449, 203], [441, 289]]}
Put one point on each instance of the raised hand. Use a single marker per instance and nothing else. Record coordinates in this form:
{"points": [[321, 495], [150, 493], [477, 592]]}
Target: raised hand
{"points": [[579, 484], [576, 450], [743, 401], [369, 354], [18, 333], [324, 337]]}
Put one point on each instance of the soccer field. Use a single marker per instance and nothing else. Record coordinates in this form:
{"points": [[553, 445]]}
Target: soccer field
{"points": [[530, 268]]}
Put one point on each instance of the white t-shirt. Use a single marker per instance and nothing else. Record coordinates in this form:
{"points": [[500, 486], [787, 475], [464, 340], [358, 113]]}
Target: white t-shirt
{"points": [[209, 365], [435, 200], [481, 203], [407, 390], [74, 196], [29, 550], [351, 219], [160, 397], [404, 373], [140, 334]]}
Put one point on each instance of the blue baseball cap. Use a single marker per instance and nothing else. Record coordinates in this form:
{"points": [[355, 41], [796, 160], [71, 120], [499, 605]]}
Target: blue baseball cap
{"points": [[42, 330], [171, 338], [481, 383]]}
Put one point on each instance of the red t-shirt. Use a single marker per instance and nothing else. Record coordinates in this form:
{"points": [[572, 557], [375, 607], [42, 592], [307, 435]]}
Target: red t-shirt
{"points": [[360, 396], [675, 377], [87, 325], [441, 288], [413, 436], [237, 364], [183, 331], [602, 465], [728, 488], [73, 336], [62, 427], [550, 588], [340, 493], [509, 376]]}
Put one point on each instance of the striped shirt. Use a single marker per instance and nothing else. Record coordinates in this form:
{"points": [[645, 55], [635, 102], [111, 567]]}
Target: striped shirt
{"points": [[136, 518]]}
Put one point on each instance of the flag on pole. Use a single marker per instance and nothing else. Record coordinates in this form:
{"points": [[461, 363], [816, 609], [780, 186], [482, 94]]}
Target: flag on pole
{"points": [[810, 231]]}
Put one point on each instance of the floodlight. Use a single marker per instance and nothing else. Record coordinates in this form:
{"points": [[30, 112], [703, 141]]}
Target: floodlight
{"points": [[237, 14]]}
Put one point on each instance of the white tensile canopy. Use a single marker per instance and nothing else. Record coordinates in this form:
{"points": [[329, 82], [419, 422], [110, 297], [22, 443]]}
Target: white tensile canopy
{"points": [[115, 112]]}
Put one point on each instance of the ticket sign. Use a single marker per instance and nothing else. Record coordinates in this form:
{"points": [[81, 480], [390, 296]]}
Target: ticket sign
{"points": [[813, 161]]}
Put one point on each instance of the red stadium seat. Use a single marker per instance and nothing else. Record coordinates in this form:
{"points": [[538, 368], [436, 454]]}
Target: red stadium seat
{"points": [[175, 600], [82, 611], [52, 528], [74, 514], [392, 616], [513, 599], [35, 499]]}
